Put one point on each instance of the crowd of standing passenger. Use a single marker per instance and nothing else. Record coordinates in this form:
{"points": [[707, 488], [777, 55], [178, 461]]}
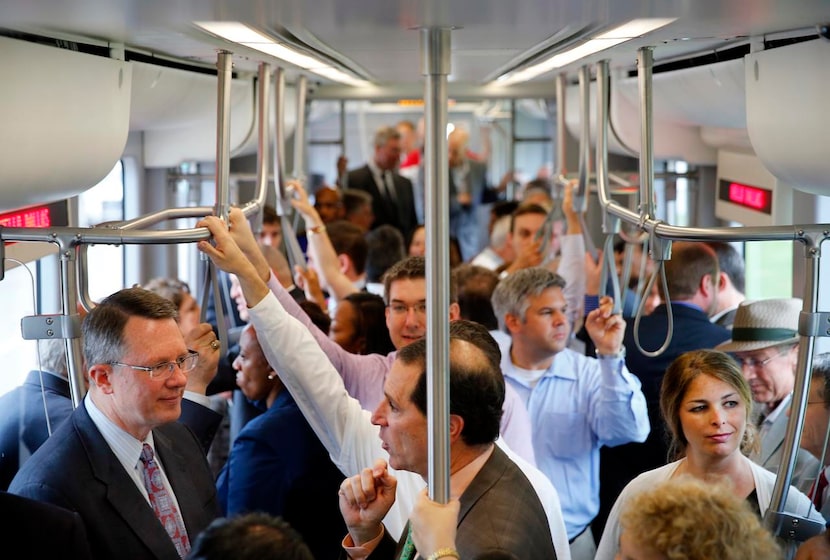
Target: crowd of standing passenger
{"points": [[570, 437]]}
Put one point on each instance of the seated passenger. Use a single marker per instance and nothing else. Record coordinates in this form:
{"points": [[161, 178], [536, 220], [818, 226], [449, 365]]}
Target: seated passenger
{"points": [[706, 405]]}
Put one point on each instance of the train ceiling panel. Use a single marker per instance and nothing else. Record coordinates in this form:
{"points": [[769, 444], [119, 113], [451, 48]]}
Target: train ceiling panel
{"points": [[378, 38]]}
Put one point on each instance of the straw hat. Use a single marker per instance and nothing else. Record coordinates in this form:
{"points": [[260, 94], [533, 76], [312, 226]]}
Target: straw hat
{"points": [[763, 323]]}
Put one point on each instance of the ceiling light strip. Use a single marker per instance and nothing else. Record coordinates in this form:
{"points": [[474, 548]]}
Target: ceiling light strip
{"points": [[244, 35], [625, 32]]}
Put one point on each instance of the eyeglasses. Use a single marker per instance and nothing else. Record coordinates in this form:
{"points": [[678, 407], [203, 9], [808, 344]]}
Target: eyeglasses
{"points": [[752, 363], [165, 369], [403, 309]]}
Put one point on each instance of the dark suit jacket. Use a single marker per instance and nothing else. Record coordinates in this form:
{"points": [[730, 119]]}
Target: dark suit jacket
{"points": [[23, 422], [278, 466], [401, 214], [75, 469], [500, 516], [692, 331], [41, 530]]}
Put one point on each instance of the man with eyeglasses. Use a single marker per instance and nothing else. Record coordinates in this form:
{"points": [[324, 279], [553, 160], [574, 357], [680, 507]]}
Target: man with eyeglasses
{"points": [[765, 344], [138, 478]]}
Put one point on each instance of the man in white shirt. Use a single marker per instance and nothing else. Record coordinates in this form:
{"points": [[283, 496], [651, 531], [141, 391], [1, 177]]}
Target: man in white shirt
{"points": [[339, 421]]}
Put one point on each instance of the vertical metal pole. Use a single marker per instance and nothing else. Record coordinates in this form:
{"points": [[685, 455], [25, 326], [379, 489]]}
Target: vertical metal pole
{"points": [[69, 303], [602, 138], [223, 133], [341, 180], [279, 137], [581, 195], [645, 62], [263, 139], [299, 130], [511, 164], [798, 405], [560, 154], [435, 66]]}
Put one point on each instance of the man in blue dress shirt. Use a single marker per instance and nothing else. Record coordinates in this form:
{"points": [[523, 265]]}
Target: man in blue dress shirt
{"points": [[576, 404]]}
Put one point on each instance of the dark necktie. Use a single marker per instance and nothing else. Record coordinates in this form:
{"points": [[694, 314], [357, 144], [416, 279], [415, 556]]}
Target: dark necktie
{"points": [[817, 491], [389, 187], [162, 503]]}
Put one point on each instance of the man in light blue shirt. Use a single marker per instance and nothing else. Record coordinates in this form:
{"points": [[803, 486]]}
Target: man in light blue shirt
{"points": [[576, 404]]}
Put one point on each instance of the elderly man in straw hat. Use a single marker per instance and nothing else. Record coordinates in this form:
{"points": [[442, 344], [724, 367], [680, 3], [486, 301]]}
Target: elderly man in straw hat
{"points": [[765, 344]]}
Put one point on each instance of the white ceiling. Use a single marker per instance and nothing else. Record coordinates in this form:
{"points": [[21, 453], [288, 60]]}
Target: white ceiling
{"points": [[380, 37]]}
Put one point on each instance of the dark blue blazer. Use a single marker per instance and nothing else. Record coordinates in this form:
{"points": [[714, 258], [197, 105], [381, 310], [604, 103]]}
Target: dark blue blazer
{"points": [[41, 530], [277, 465], [75, 469], [400, 214], [23, 421], [692, 331]]}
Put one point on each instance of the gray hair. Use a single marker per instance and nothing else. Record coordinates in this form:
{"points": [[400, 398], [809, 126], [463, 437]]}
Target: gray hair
{"points": [[512, 293], [385, 134], [52, 353]]}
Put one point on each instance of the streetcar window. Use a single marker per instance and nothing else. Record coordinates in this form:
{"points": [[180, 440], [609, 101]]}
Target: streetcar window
{"points": [[104, 203], [17, 300]]}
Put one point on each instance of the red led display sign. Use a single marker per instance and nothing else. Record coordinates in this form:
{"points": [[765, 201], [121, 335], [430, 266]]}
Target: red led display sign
{"points": [[746, 196], [47, 215]]}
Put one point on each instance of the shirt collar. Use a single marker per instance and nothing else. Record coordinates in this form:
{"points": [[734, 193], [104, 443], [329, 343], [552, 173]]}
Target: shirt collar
{"points": [[461, 479]]}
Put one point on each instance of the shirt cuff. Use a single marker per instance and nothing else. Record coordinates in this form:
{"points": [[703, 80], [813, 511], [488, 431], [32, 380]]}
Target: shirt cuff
{"points": [[361, 552]]}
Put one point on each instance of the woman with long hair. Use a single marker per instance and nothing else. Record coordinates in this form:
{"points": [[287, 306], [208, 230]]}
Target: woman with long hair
{"points": [[706, 403]]}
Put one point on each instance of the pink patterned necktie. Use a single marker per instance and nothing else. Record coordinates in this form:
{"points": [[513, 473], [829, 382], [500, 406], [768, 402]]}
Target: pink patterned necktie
{"points": [[162, 504]]}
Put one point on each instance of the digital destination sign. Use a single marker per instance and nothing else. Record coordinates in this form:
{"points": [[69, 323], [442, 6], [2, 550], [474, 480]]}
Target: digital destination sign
{"points": [[747, 196]]}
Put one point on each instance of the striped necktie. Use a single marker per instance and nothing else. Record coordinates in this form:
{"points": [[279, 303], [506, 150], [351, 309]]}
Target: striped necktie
{"points": [[163, 504]]}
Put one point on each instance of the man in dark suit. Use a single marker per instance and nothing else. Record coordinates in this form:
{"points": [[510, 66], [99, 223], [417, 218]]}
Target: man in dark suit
{"points": [[23, 425], [392, 200], [732, 283], [692, 277], [124, 437], [500, 512]]}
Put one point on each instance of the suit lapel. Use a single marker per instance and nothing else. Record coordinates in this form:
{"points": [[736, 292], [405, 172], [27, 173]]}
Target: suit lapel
{"points": [[486, 478], [175, 467], [121, 491], [774, 438]]}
